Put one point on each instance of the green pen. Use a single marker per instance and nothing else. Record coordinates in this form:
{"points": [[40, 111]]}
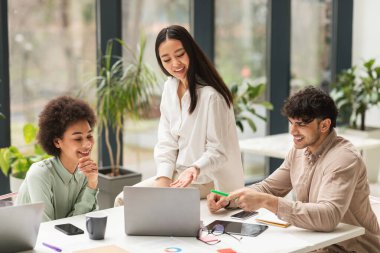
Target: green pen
{"points": [[220, 193]]}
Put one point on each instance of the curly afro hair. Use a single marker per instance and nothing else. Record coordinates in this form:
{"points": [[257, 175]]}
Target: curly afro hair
{"points": [[57, 115], [309, 104]]}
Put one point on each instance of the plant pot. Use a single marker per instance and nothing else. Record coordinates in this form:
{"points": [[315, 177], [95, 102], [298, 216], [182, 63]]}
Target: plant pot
{"points": [[370, 157], [15, 183], [110, 186]]}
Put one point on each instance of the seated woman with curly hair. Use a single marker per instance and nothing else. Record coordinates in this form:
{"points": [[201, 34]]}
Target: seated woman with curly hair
{"points": [[66, 182]]}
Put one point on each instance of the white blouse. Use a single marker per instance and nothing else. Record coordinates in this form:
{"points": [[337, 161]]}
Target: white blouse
{"points": [[207, 138]]}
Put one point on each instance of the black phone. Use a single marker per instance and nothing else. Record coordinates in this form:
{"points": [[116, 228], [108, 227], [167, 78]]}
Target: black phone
{"points": [[242, 215], [69, 229]]}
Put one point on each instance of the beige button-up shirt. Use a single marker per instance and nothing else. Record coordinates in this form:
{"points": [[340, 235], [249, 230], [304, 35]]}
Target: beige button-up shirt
{"points": [[329, 186]]}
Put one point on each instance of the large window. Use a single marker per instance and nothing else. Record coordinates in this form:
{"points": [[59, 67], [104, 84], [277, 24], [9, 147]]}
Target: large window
{"points": [[240, 38], [310, 43], [52, 52], [240, 44], [148, 18], [366, 43]]}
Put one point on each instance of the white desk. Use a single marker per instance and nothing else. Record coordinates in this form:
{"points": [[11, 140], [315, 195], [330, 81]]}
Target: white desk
{"points": [[274, 239]]}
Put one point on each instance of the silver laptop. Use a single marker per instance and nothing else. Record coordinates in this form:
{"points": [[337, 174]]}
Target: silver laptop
{"points": [[161, 211], [19, 227]]}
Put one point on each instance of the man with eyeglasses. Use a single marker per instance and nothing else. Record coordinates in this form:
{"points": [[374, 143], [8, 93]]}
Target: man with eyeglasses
{"points": [[325, 172]]}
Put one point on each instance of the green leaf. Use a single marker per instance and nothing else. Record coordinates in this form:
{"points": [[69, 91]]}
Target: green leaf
{"points": [[251, 124], [246, 97], [369, 63], [239, 124], [267, 105], [20, 166], [250, 109], [19, 163], [14, 151], [377, 71], [261, 117], [5, 157], [30, 132], [38, 150], [234, 89]]}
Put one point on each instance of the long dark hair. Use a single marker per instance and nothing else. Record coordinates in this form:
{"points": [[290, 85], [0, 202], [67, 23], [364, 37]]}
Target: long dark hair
{"points": [[199, 66]]}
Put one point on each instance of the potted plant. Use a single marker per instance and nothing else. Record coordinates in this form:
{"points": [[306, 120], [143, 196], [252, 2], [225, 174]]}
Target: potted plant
{"points": [[245, 98], [20, 162], [122, 88], [356, 90]]}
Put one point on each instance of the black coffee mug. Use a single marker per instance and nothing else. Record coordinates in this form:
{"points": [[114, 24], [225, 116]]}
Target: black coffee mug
{"points": [[96, 225]]}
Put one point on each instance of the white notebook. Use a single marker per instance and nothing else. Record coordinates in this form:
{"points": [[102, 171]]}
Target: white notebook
{"points": [[270, 218]]}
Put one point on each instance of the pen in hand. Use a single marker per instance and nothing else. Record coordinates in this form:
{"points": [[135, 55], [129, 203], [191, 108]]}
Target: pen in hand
{"points": [[220, 193], [52, 247]]}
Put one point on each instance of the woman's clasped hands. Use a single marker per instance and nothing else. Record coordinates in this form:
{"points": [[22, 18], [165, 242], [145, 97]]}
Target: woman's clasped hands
{"points": [[90, 169]]}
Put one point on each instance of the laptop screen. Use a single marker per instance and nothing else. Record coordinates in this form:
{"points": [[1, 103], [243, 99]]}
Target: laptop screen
{"points": [[161, 211], [19, 227]]}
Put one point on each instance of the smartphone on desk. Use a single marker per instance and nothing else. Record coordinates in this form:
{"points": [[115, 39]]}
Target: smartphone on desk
{"points": [[69, 229], [243, 215]]}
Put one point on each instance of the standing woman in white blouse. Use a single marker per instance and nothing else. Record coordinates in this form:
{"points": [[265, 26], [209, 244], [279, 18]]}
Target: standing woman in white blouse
{"points": [[197, 137]]}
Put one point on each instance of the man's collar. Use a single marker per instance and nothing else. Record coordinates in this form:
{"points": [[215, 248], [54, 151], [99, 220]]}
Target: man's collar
{"points": [[323, 147]]}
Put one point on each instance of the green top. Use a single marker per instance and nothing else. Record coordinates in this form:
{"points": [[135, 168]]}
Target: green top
{"points": [[64, 194]]}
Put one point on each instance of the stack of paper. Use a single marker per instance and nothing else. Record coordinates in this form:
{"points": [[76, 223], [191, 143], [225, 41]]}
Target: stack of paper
{"points": [[271, 219]]}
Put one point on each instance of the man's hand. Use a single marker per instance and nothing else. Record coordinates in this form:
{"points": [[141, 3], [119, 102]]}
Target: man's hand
{"points": [[250, 200], [216, 202], [90, 169], [185, 178]]}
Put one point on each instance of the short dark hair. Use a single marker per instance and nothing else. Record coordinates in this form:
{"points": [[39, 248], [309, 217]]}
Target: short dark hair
{"points": [[309, 104], [199, 64], [57, 115]]}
